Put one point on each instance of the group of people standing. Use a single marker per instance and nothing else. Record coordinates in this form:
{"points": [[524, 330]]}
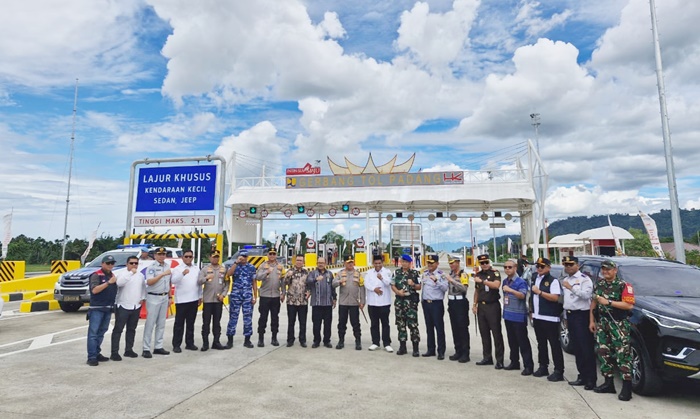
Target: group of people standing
{"points": [[598, 309]]}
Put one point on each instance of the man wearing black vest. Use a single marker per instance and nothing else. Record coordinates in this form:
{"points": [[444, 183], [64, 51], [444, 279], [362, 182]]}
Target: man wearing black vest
{"points": [[487, 307], [103, 293], [546, 309]]}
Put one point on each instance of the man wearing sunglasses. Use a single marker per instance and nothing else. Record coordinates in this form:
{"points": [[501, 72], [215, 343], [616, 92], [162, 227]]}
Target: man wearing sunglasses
{"points": [[103, 292], [188, 297], [487, 307], [578, 289], [546, 310], [131, 293], [515, 319]]}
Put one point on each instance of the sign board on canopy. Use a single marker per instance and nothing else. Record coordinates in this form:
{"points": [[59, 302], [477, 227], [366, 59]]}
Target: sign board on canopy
{"points": [[393, 179]]}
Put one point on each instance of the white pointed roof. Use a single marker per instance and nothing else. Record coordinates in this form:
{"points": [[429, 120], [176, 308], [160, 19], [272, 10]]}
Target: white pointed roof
{"points": [[606, 233]]}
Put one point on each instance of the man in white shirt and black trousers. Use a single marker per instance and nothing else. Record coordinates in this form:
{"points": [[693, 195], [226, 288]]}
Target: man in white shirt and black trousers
{"points": [[188, 297], [546, 309], [130, 294], [378, 288]]}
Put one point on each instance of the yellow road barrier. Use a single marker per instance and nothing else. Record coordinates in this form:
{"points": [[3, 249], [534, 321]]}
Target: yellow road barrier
{"points": [[43, 282], [11, 270]]}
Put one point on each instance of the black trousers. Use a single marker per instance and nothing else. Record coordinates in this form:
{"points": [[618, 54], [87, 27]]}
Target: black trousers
{"points": [[489, 316], [379, 314], [212, 311], [322, 314], [519, 343], [294, 312], [271, 306], [354, 313], [130, 319], [434, 313], [459, 320], [548, 333], [582, 342], [185, 315]]}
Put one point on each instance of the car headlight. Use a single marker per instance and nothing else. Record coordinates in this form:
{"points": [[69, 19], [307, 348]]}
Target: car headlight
{"points": [[672, 323]]}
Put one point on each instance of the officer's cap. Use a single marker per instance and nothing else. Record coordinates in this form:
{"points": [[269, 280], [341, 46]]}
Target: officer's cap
{"points": [[407, 258], [483, 258], [349, 259], [453, 260], [243, 253], [215, 253], [161, 250], [432, 258], [108, 259], [608, 264], [272, 252], [543, 261], [569, 259]]}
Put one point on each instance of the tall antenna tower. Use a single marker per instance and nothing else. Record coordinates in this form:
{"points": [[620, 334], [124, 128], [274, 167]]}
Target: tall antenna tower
{"points": [[70, 172]]}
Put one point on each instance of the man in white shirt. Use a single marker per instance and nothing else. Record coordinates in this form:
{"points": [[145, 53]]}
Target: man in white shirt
{"points": [[131, 292], [188, 296], [378, 287]]}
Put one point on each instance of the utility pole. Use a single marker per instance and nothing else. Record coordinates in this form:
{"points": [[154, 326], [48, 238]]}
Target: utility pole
{"points": [[70, 173], [668, 149]]}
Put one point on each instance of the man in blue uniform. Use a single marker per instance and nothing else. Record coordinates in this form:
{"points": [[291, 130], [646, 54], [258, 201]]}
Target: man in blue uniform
{"points": [[103, 293], [435, 284], [243, 295]]}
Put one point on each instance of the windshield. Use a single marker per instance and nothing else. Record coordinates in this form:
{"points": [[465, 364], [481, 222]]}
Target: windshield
{"points": [[669, 280], [119, 257]]}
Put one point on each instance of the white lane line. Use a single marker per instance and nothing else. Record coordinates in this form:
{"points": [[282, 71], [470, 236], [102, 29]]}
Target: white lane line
{"points": [[37, 337]]}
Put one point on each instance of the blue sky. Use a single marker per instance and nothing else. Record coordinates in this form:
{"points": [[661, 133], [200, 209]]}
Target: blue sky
{"points": [[286, 84]]}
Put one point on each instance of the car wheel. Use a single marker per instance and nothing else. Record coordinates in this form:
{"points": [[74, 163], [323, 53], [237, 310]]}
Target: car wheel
{"points": [[69, 307], [645, 380], [564, 337]]}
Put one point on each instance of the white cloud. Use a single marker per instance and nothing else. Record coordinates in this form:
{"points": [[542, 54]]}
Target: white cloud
{"points": [[583, 200], [254, 147], [331, 26], [530, 19]]}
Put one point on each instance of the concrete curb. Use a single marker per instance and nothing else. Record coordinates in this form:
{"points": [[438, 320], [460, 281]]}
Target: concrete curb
{"points": [[32, 306], [21, 296]]}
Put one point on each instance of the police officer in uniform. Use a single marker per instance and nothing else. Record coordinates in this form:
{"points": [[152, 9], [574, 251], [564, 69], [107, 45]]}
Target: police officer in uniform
{"points": [[488, 310], [578, 289], [406, 283], [434, 284], [546, 310], [215, 286], [609, 320], [458, 309], [271, 297], [243, 295], [158, 277], [351, 299]]}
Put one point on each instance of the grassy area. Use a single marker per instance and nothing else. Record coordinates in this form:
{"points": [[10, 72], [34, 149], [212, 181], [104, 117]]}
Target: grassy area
{"points": [[37, 268]]}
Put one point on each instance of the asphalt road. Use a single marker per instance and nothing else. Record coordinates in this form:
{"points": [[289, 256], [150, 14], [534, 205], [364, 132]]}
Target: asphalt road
{"points": [[42, 361]]}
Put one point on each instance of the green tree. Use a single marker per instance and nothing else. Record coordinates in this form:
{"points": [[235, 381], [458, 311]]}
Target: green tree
{"points": [[640, 245]]}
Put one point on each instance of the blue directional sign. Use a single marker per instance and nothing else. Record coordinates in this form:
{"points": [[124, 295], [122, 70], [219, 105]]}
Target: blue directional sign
{"points": [[176, 188]]}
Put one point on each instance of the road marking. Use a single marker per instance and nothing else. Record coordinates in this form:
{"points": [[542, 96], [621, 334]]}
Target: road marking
{"points": [[41, 341]]}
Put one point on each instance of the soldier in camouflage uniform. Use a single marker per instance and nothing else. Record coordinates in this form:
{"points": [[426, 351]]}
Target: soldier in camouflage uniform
{"points": [[405, 283], [242, 298], [613, 299]]}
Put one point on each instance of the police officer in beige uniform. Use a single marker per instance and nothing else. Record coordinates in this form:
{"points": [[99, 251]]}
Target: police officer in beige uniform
{"points": [[351, 299], [214, 290], [271, 296]]}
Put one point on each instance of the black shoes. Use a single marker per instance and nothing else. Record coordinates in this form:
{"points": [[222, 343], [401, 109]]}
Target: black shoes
{"points": [[247, 343], [102, 358], [499, 365], [177, 349], [454, 357], [512, 367], [607, 387], [358, 345], [316, 345], [302, 344], [340, 345], [429, 353], [626, 392], [205, 344], [485, 361], [578, 382], [526, 371], [217, 345], [161, 351], [416, 352], [464, 359], [147, 354], [261, 341], [328, 345], [556, 376], [191, 347], [290, 344], [441, 357], [115, 357], [402, 349], [589, 386], [229, 343], [131, 354], [541, 372], [92, 362]]}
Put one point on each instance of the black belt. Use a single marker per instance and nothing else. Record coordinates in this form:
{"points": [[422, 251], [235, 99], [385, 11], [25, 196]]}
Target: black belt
{"points": [[487, 302], [158, 293], [577, 311]]}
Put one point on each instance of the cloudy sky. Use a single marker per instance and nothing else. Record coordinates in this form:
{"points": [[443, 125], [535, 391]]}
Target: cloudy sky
{"points": [[285, 83]]}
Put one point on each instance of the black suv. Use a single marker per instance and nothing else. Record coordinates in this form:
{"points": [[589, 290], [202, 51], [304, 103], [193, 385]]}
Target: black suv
{"points": [[665, 319]]}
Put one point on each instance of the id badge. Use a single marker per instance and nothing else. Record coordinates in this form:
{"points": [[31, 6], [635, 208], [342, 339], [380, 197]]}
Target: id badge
{"points": [[505, 300]]}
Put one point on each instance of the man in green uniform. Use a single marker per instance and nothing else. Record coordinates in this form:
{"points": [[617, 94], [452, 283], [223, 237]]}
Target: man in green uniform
{"points": [[612, 302], [405, 284]]}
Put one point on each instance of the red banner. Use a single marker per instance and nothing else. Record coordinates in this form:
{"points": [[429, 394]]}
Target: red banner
{"points": [[306, 170]]}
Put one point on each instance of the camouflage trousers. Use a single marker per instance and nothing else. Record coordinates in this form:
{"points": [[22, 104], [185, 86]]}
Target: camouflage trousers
{"points": [[407, 315], [238, 303], [613, 339]]}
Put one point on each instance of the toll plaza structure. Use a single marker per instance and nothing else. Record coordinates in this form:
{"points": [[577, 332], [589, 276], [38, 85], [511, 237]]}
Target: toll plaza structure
{"points": [[392, 191]]}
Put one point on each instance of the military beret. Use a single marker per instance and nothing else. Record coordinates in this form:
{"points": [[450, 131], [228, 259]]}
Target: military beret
{"points": [[543, 261], [569, 259], [407, 258]]}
